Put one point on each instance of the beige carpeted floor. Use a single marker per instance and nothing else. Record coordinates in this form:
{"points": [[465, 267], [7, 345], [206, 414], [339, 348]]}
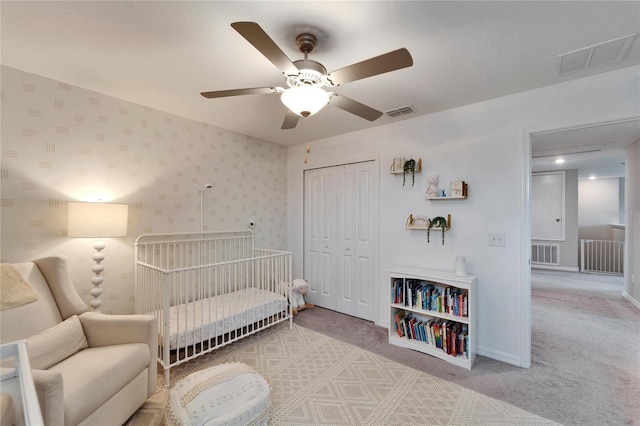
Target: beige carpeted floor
{"points": [[585, 352], [585, 355], [319, 380]]}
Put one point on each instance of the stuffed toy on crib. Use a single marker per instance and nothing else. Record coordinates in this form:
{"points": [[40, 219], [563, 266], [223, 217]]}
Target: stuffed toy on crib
{"points": [[300, 288]]}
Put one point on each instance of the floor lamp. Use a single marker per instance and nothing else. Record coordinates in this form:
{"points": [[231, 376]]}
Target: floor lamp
{"points": [[97, 220]]}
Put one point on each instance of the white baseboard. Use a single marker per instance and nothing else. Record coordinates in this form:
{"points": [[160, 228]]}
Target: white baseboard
{"points": [[499, 356], [633, 301], [556, 268]]}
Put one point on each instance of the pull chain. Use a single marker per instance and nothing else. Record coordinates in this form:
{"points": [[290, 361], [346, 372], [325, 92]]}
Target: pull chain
{"points": [[306, 138]]}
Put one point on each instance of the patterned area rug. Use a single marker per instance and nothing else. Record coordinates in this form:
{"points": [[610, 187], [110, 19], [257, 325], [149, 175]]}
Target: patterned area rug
{"points": [[317, 380]]}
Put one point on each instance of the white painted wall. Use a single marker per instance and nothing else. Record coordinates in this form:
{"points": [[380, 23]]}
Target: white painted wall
{"points": [[598, 202], [487, 145], [63, 143]]}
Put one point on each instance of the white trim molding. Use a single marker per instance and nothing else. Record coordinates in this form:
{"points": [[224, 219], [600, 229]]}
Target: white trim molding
{"points": [[630, 298]]}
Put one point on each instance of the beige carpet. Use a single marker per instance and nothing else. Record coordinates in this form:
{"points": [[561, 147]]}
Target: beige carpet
{"points": [[322, 381]]}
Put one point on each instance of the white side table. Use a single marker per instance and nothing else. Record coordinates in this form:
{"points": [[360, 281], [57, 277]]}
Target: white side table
{"points": [[17, 382]]}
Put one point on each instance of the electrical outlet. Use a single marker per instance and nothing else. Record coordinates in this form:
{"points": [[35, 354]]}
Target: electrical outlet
{"points": [[496, 240]]}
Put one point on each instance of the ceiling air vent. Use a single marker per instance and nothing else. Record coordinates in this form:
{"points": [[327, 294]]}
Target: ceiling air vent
{"points": [[400, 111], [599, 54]]}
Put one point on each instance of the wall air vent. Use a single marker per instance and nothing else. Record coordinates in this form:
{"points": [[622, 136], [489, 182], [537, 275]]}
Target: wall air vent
{"points": [[400, 111], [545, 254], [604, 53]]}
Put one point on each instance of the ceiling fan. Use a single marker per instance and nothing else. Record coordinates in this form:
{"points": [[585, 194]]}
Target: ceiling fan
{"points": [[306, 78]]}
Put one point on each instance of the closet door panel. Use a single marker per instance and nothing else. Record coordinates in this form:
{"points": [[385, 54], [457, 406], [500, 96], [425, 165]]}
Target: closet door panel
{"points": [[319, 241], [364, 241], [345, 229]]}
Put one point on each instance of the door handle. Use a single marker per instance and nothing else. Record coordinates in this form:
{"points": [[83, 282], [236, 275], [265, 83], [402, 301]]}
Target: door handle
{"points": [[558, 219]]}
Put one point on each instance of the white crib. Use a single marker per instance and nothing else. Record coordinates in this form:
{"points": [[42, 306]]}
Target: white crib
{"points": [[208, 290]]}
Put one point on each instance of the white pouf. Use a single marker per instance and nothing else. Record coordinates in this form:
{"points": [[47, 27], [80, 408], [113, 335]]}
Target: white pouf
{"points": [[227, 394]]}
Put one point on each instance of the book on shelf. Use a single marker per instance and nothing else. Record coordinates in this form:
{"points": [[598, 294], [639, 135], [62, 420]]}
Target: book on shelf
{"points": [[412, 328], [429, 330], [398, 317], [458, 189]]}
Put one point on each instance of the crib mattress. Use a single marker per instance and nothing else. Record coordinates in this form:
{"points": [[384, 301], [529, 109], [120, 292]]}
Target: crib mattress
{"points": [[209, 318]]}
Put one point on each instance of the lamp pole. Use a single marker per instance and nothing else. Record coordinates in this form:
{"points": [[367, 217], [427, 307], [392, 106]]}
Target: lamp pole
{"points": [[207, 186]]}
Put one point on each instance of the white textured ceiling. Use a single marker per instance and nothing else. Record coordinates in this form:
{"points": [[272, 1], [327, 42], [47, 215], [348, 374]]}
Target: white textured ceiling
{"points": [[163, 54]]}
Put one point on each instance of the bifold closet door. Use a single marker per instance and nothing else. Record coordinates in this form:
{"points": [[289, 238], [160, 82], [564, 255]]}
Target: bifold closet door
{"points": [[339, 255]]}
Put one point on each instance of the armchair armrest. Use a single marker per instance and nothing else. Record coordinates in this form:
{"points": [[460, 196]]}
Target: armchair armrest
{"points": [[107, 330], [50, 392]]}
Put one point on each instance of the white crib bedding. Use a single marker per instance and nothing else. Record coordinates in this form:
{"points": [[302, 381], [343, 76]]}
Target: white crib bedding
{"points": [[212, 317]]}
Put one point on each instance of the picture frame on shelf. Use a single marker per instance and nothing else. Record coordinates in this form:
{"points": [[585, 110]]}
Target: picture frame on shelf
{"points": [[458, 189], [398, 164]]}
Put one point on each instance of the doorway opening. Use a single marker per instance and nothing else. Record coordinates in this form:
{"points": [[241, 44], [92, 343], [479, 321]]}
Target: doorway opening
{"points": [[585, 151]]}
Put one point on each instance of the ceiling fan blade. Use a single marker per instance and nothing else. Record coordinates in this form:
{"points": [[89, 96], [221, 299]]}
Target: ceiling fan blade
{"points": [[390, 61], [255, 35], [290, 120], [354, 107], [239, 92]]}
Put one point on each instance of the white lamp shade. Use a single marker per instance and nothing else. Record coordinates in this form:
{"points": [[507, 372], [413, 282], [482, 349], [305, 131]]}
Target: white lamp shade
{"points": [[305, 100], [97, 220]]}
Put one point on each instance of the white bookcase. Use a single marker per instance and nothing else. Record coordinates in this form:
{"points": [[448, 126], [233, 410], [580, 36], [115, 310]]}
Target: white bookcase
{"points": [[414, 308]]}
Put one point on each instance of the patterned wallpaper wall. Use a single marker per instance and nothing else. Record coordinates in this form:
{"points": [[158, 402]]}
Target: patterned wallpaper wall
{"points": [[62, 143]]}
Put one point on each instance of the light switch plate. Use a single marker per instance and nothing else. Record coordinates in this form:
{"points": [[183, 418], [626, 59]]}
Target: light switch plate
{"points": [[496, 240]]}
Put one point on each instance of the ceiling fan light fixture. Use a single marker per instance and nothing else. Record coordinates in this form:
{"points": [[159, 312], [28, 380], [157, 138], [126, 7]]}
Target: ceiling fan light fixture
{"points": [[305, 100], [306, 78]]}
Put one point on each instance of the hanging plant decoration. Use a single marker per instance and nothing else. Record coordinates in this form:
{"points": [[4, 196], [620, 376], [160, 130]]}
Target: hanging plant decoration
{"points": [[437, 222], [409, 167]]}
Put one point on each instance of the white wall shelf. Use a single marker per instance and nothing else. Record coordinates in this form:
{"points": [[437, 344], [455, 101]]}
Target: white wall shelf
{"points": [[463, 188], [424, 228], [445, 198], [418, 168], [403, 173], [422, 223]]}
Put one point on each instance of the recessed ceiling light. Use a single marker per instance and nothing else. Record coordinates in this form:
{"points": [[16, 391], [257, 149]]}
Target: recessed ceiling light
{"points": [[559, 160], [592, 177]]}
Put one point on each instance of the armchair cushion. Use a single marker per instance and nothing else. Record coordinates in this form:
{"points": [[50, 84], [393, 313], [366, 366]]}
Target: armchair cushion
{"points": [[67, 298], [57, 343]]}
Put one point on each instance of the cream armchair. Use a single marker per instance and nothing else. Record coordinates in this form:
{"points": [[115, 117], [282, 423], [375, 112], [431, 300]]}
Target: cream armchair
{"points": [[88, 368]]}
